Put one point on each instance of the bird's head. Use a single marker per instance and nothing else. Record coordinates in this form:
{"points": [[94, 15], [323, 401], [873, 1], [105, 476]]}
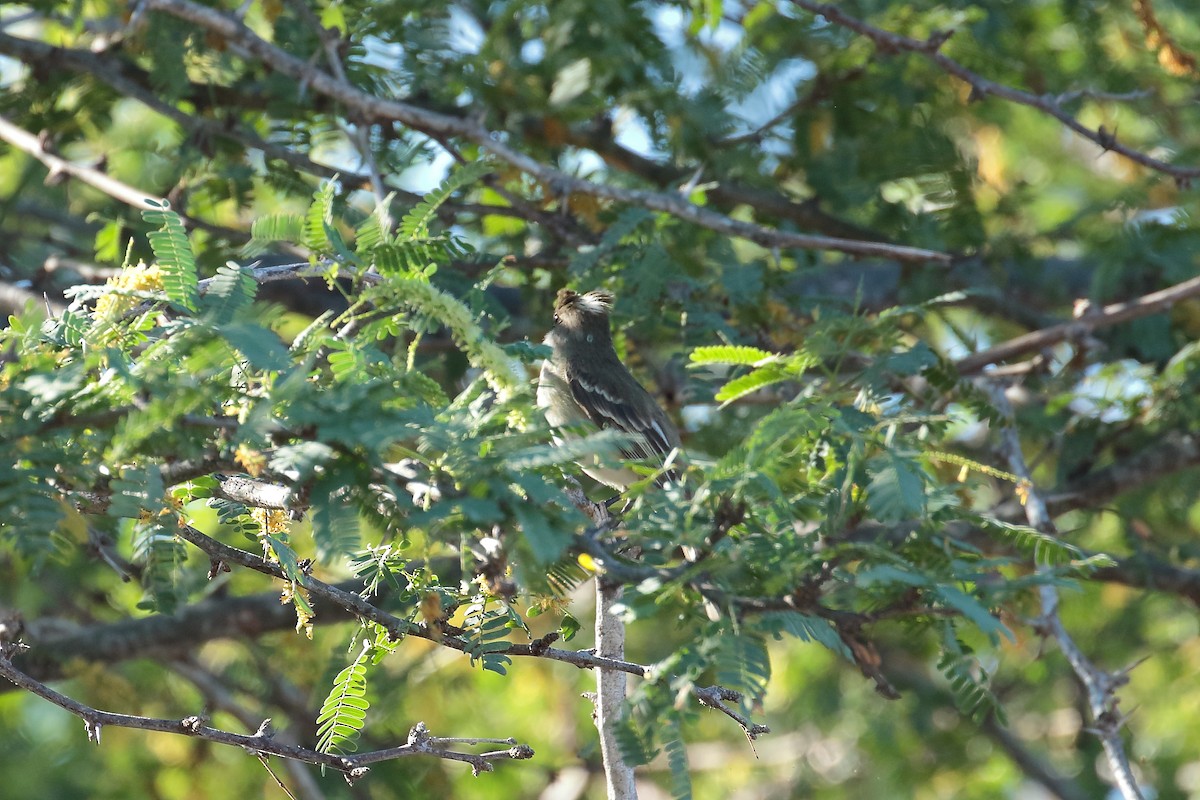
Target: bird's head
{"points": [[579, 315], [581, 324]]}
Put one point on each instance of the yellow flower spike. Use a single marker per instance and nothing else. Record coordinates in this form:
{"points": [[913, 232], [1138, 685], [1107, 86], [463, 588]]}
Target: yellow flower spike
{"points": [[250, 459]]}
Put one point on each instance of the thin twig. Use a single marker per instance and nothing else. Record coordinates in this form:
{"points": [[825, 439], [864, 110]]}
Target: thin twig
{"points": [[218, 696], [1047, 104], [717, 696], [262, 741]]}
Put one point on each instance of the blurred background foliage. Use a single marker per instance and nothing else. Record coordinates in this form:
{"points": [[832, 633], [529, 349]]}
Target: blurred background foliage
{"points": [[860, 445]]}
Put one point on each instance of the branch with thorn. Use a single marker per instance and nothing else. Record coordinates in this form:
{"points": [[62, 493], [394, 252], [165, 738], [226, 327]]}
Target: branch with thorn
{"points": [[263, 742], [1100, 687]]}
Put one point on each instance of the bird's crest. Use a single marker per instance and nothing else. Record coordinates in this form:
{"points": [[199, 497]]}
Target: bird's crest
{"points": [[597, 301]]}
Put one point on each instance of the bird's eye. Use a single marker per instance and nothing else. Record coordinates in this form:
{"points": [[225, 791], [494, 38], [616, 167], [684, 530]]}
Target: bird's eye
{"points": [[556, 319]]}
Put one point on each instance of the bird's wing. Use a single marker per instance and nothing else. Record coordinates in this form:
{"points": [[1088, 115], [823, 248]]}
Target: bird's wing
{"points": [[607, 405]]}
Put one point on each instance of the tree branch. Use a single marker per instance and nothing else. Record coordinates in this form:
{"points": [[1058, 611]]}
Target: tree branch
{"points": [[129, 195], [1108, 316], [1100, 687], [610, 690], [1047, 104], [437, 124], [262, 741], [218, 696], [34, 146]]}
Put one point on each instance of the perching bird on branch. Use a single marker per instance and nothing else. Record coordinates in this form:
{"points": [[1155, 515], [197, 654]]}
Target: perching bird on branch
{"points": [[585, 385]]}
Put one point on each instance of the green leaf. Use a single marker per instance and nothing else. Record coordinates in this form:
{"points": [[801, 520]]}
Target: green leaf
{"points": [[569, 627], [741, 663], [896, 491], [302, 457], [635, 742], [335, 526], [912, 361], [275, 228], [415, 224], [319, 218], [229, 293], [161, 555], [974, 611], [969, 681], [260, 346], [173, 254], [806, 628], [373, 231], [545, 540], [730, 354], [677, 761], [752, 382], [344, 712]]}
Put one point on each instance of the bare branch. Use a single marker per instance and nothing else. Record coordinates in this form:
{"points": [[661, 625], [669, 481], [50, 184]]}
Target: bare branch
{"points": [[1108, 316], [717, 696], [358, 606], [130, 195], [217, 695], [24, 140], [1099, 686], [255, 493], [263, 740], [610, 690]]}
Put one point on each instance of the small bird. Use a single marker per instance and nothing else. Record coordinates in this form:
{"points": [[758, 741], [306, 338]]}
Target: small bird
{"points": [[585, 382]]}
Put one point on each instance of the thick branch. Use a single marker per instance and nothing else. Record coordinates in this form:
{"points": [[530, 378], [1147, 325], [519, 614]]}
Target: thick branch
{"points": [[132, 196], [1108, 316], [610, 691]]}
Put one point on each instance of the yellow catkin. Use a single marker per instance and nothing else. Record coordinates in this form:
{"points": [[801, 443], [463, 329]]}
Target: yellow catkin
{"points": [[141, 277]]}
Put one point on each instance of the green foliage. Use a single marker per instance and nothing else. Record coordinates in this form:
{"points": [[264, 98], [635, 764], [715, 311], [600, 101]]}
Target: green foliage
{"points": [[334, 523], [230, 293], [318, 232], [487, 633], [677, 761], [968, 681], [344, 712], [843, 482], [805, 628], [161, 555], [173, 253], [415, 224], [274, 228]]}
